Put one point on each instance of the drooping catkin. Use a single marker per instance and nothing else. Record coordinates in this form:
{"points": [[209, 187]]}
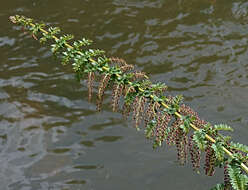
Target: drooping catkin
{"points": [[116, 94], [149, 113], [124, 67], [182, 146], [227, 182], [102, 85], [138, 75], [163, 120], [186, 110], [209, 161], [91, 77], [127, 106], [138, 109], [118, 61], [172, 136], [195, 153]]}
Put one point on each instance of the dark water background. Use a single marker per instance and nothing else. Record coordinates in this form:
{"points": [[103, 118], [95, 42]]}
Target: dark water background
{"points": [[52, 138]]}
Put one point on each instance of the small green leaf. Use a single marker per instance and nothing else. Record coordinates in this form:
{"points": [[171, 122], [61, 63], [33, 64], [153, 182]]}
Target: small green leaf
{"points": [[222, 127], [149, 128], [240, 147], [219, 187], [200, 139], [218, 150]]}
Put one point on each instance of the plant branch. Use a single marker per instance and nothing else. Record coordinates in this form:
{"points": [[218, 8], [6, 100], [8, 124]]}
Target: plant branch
{"points": [[142, 90]]}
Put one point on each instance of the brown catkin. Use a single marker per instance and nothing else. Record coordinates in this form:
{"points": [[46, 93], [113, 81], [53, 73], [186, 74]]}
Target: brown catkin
{"points": [[195, 153], [138, 109], [102, 85], [163, 120], [227, 182], [124, 67], [138, 75], [116, 94], [172, 136], [186, 110], [181, 142], [126, 109], [118, 61], [209, 161], [91, 77], [149, 113]]}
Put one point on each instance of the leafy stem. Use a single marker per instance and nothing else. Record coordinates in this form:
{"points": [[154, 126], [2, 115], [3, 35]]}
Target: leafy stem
{"points": [[166, 118]]}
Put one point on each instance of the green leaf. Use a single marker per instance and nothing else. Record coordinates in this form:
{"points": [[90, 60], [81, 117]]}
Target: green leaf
{"points": [[238, 180], [200, 139], [186, 123], [218, 150], [240, 147], [149, 128], [219, 187], [222, 127]]}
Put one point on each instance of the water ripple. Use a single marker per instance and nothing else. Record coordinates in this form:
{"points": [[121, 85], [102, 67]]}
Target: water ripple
{"points": [[52, 138]]}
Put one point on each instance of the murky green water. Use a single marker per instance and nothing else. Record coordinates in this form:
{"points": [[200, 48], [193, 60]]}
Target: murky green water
{"points": [[52, 138]]}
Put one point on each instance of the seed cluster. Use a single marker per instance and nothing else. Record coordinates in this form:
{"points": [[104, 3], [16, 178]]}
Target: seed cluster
{"points": [[210, 161], [122, 64], [195, 153], [102, 86], [227, 183], [186, 110], [162, 128], [116, 95], [91, 77], [138, 110]]}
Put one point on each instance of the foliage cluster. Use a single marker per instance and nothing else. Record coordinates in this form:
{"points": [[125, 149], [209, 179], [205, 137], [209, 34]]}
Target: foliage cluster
{"points": [[165, 118]]}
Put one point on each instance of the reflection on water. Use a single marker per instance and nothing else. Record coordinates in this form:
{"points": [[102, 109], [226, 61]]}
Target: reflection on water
{"points": [[52, 138]]}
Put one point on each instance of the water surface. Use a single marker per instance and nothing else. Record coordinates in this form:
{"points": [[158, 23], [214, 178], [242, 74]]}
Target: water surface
{"points": [[52, 138]]}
